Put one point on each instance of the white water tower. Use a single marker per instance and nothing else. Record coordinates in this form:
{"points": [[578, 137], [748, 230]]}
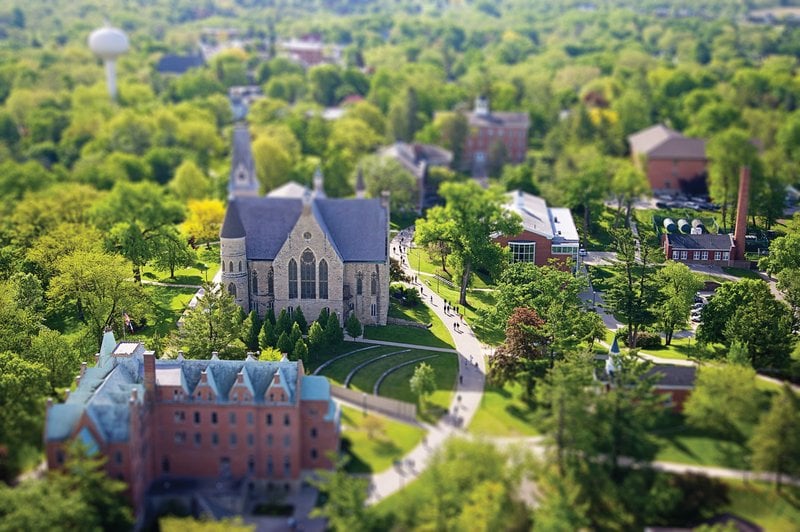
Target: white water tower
{"points": [[109, 43]]}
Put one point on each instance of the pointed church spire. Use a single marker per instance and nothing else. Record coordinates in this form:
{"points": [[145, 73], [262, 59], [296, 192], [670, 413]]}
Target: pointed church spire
{"points": [[319, 183], [361, 188], [243, 180]]}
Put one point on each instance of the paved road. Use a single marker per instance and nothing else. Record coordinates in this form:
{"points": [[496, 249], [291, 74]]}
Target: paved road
{"points": [[467, 399]]}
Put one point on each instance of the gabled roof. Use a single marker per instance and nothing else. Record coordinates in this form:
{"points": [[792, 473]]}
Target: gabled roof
{"points": [[499, 119], [267, 222], [292, 189], [701, 242], [674, 376], [555, 224], [661, 142]]}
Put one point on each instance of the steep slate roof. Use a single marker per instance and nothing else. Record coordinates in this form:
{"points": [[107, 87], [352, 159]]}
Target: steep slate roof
{"points": [[671, 375], [496, 119], [538, 218], [267, 222], [105, 390], [704, 241], [178, 64], [661, 142]]}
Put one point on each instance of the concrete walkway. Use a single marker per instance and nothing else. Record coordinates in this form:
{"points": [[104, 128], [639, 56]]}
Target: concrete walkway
{"points": [[411, 346], [466, 400]]}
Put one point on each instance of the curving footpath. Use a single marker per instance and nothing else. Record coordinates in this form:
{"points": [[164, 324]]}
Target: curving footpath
{"points": [[466, 400], [395, 368]]}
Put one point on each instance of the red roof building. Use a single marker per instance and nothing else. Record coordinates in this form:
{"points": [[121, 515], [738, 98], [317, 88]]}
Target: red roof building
{"points": [[670, 160]]}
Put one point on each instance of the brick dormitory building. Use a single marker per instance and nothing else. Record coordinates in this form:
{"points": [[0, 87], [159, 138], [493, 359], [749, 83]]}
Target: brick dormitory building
{"points": [[156, 420]]}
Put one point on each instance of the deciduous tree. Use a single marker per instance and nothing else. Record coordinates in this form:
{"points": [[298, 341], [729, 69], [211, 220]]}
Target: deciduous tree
{"points": [[678, 288], [423, 381], [776, 439], [467, 224]]}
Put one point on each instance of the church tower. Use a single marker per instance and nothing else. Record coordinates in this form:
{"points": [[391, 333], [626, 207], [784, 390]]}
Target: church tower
{"points": [[361, 187], [233, 256], [243, 180]]}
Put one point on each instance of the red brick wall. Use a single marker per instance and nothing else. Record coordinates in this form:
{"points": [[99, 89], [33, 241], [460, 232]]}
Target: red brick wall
{"points": [[679, 397], [542, 245], [666, 174], [690, 256], [479, 139]]}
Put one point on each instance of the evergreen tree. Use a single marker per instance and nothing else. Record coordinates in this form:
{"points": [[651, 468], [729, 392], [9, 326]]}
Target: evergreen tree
{"points": [[333, 331], [283, 324], [316, 337], [300, 319], [295, 334], [285, 344], [353, 326], [213, 325], [267, 336], [322, 319], [270, 317], [250, 330], [300, 351]]}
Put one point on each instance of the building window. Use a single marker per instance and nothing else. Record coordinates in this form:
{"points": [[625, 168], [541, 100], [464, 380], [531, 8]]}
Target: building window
{"points": [[704, 255], [180, 416], [240, 266], [270, 467], [269, 420], [373, 284], [223, 266], [323, 279], [523, 251], [290, 311], [232, 289], [232, 418], [684, 255], [213, 418], [287, 441], [359, 283], [254, 283], [60, 457], [230, 266], [118, 457], [269, 440], [233, 439], [250, 418], [251, 440], [313, 432], [287, 467], [214, 439], [675, 255], [726, 255], [270, 282], [180, 437], [717, 255], [308, 275], [286, 420], [313, 454], [696, 255], [373, 310], [251, 465], [292, 279], [165, 465], [197, 417], [198, 438]]}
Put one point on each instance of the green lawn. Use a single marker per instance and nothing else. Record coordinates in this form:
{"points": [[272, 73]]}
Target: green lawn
{"points": [[169, 303], [600, 238], [760, 503], [478, 301], [337, 371], [685, 348], [204, 271], [403, 334], [365, 378], [423, 314], [419, 260], [446, 368], [503, 413], [679, 442], [741, 272], [390, 440]]}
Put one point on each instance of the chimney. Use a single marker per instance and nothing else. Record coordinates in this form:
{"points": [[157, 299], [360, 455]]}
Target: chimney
{"points": [[49, 403], [77, 381], [149, 375], [741, 213], [361, 188], [83, 368], [385, 196]]}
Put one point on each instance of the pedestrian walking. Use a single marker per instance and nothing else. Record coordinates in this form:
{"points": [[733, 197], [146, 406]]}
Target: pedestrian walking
{"points": [[461, 379], [431, 300]]}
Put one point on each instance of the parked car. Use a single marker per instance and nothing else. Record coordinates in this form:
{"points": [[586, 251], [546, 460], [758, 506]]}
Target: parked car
{"points": [[582, 252]]}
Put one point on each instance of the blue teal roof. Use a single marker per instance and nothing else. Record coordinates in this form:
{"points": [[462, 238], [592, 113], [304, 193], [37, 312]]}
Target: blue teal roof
{"points": [[105, 390], [315, 388]]}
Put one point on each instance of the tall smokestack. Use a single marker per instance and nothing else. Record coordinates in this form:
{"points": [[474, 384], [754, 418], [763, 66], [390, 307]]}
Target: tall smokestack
{"points": [[741, 212]]}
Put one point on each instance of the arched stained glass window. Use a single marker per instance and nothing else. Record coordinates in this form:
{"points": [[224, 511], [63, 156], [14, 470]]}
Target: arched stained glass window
{"points": [[323, 279], [292, 279], [373, 284], [271, 282], [254, 283], [359, 283], [308, 275], [232, 289]]}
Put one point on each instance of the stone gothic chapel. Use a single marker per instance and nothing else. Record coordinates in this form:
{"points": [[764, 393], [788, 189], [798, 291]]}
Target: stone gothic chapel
{"points": [[297, 248]]}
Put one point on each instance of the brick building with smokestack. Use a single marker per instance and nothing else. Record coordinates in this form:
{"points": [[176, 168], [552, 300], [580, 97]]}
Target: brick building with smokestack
{"points": [[157, 420], [720, 249]]}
